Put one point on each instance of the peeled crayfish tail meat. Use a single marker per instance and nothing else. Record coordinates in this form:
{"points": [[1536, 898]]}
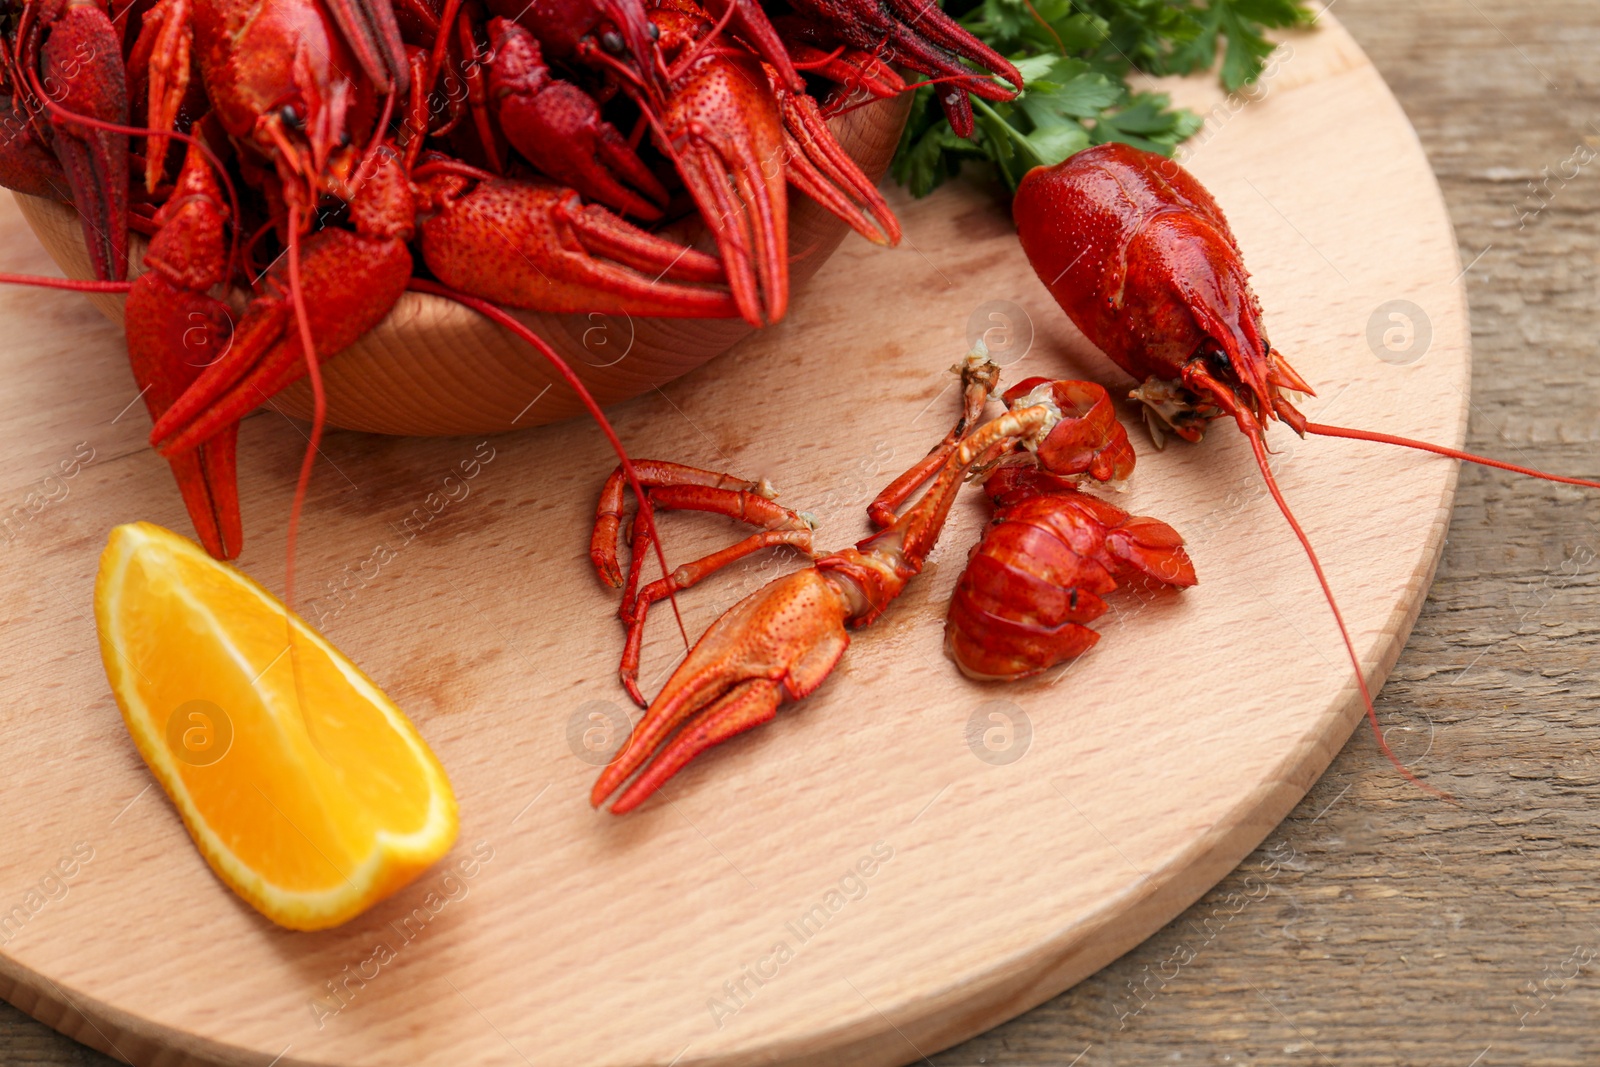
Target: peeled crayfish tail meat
{"points": [[1049, 556]]}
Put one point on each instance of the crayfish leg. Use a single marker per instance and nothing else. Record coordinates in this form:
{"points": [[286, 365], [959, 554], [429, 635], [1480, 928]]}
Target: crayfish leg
{"points": [[651, 473]]}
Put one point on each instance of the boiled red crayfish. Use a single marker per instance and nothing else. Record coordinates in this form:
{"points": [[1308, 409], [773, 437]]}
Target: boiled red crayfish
{"points": [[1141, 258], [782, 641]]}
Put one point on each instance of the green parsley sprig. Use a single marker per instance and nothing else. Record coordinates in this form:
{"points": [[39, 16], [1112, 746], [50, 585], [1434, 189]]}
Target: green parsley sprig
{"points": [[1075, 57]]}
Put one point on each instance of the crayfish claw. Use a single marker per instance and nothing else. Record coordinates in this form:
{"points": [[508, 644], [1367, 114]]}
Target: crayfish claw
{"points": [[535, 244], [95, 160], [746, 705], [208, 481], [820, 168], [778, 643], [559, 128]]}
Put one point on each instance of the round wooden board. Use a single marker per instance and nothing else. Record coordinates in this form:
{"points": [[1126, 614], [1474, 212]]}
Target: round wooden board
{"points": [[851, 884]]}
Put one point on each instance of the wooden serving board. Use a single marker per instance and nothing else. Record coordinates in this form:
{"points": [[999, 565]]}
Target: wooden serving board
{"points": [[897, 863]]}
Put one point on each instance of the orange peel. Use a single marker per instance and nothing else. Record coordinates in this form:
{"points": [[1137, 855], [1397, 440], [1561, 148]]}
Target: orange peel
{"points": [[306, 789]]}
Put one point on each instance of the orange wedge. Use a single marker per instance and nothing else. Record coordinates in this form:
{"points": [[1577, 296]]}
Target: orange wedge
{"points": [[312, 797]]}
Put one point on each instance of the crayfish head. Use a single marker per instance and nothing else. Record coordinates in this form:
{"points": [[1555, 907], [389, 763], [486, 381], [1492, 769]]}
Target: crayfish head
{"points": [[776, 644], [1142, 259], [1251, 408]]}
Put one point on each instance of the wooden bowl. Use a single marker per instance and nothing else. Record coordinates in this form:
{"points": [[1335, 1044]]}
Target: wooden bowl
{"points": [[433, 368]]}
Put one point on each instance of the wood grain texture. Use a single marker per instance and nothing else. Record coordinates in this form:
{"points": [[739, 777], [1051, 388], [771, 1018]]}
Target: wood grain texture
{"points": [[1393, 930]]}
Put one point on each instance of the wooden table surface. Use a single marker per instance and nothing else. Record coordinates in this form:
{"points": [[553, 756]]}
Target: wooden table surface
{"points": [[1378, 925]]}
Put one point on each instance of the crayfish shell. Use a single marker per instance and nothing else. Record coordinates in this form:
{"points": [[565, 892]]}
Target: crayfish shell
{"points": [[1039, 575], [433, 368]]}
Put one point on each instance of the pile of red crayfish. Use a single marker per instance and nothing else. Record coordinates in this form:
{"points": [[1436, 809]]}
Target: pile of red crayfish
{"points": [[325, 155]]}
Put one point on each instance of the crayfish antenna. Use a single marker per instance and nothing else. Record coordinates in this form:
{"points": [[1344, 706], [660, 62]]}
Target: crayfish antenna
{"points": [[1324, 430], [75, 285], [319, 412], [1259, 449], [500, 317], [1254, 432]]}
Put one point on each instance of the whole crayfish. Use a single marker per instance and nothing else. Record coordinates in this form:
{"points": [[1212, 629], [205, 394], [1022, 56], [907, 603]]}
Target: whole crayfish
{"points": [[1141, 258]]}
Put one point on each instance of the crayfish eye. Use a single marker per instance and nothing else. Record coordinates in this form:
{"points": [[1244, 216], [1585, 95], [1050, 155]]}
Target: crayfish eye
{"points": [[1218, 358], [291, 117], [612, 42], [655, 32]]}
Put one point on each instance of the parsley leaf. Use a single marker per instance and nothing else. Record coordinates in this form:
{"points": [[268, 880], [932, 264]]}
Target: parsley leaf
{"points": [[1075, 57]]}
